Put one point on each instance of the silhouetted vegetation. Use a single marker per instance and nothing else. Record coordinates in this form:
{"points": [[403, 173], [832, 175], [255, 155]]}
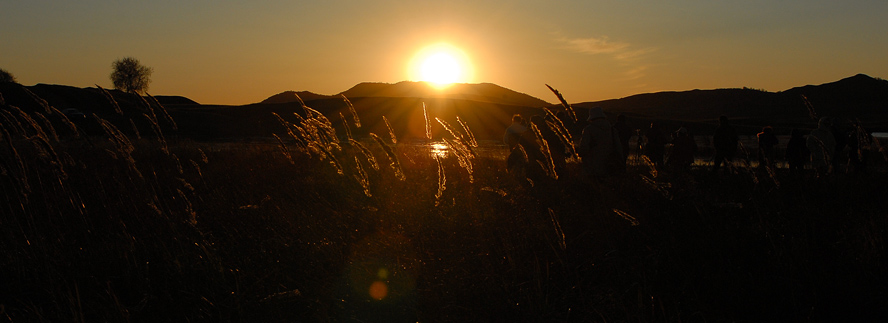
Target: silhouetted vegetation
{"points": [[129, 75], [322, 225], [6, 76]]}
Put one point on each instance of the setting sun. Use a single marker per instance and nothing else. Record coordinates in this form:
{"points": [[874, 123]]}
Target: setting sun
{"points": [[441, 65]]}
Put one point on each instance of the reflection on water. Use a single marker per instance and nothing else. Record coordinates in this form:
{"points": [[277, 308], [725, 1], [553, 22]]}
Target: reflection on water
{"points": [[486, 149], [439, 149]]}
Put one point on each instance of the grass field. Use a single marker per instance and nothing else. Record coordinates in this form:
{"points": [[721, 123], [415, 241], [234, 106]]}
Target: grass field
{"points": [[318, 228]]}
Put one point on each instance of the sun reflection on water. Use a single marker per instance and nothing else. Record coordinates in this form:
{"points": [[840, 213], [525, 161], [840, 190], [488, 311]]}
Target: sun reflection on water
{"points": [[439, 149]]}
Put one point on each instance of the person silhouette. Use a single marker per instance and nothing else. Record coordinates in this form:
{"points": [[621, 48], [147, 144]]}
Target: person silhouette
{"points": [[725, 142], [683, 149], [822, 145], [655, 146], [625, 132], [797, 154], [599, 143], [767, 146]]}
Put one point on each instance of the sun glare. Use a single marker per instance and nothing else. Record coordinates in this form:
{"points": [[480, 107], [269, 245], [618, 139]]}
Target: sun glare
{"points": [[441, 65]]}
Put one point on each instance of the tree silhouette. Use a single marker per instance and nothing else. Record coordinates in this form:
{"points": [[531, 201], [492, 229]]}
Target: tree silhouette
{"points": [[6, 76], [130, 76]]}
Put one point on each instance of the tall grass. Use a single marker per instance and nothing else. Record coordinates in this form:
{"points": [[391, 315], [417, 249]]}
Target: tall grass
{"points": [[303, 228]]}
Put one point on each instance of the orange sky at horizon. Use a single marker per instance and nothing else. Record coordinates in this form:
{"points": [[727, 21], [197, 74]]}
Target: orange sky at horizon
{"points": [[226, 52]]}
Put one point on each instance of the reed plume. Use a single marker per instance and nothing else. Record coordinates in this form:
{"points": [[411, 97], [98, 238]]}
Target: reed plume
{"points": [[163, 110], [393, 159], [40, 101], [391, 132], [353, 112], [47, 126], [366, 152], [811, 113], [462, 156], [348, 133], [472, 142], [111, 99], [361, 177], [558, 232], [567, 107], [632, 220], [442, 180], [464, 144], [547, 163], [428, 124], [284, 149]]}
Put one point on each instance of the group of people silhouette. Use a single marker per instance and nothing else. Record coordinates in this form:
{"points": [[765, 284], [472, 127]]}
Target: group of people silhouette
{"points": [[604, 148]]}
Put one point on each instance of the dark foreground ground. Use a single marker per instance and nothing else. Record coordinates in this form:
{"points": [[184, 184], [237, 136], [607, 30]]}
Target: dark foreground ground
{"points": [[104, 229]]}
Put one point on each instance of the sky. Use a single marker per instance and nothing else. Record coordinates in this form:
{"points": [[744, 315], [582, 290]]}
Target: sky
{"points": [[241, 52]]}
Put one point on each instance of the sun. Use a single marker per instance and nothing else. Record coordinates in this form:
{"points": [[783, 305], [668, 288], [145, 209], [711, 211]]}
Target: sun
{"points": [[441, 65]]}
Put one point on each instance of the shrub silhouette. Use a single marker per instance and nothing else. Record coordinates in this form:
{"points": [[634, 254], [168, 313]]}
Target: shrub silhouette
{"points": [[130, 75], [6, 77]]}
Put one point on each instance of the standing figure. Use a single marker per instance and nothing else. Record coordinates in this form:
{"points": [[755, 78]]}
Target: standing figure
{"points": [[822, 146], [725, 141], [516, 163], [599, 145], [859, 142], [625, 132], [513, 133], [655, 148], [556, 147], [796, 152], [767, 146], [683, 149]]}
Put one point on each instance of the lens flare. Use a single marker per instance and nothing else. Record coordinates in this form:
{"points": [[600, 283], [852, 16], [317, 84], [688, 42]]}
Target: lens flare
{"points": [[378, 290]]}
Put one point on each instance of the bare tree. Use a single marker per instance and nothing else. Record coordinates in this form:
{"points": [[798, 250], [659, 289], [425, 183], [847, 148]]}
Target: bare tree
{"points": [[6, 76], [130, 76]]}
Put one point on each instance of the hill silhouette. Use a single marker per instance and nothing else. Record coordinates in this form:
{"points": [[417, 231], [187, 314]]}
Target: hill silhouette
{"points": [[486, 108], [482, 92], [858, 97]]}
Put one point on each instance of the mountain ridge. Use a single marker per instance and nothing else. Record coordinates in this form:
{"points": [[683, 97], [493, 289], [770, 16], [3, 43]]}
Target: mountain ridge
{"points": [[482, 106], [481, 92]]}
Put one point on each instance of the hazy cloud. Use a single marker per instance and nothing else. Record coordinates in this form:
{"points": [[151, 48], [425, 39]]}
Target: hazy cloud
{"points": [[623, 52], [594, 45]]}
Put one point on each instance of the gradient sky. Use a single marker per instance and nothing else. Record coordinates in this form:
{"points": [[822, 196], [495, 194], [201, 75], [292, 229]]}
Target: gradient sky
{"points": [[239, 52]]}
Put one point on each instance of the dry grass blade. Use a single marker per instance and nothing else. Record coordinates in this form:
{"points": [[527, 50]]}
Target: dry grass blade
{"points": [[428, 124], [811, 113], [472, 142], [22, 176], [391, 132], [362, 177], [300, 141], [123, 146], [68, 123], [393, 159], [567, 107], [463, 145], [367, 154], [353, 112], [284, 149], [558, 232], [626, 216], [135, 130], [462, 156], [12, 121], [548, 164], [111, 99], [442, 179], [163, 110], [40, 101], [348, 133]]}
